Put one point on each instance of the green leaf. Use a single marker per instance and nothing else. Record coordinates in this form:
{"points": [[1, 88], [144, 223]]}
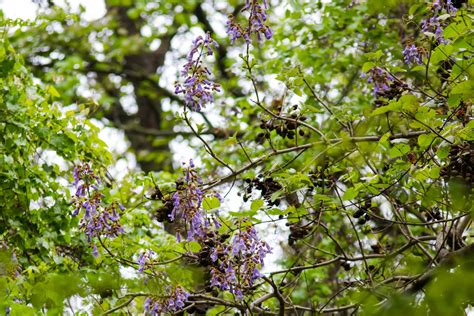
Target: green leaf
{"points": [[256, 205], [211, 203], [367, 66], [424, 140], [409, 103], [465, 88], [443, 152], [53, 92], [460, 194], [395, 106], [398, 150], [467, 132], [350, 194], [194, 246]]}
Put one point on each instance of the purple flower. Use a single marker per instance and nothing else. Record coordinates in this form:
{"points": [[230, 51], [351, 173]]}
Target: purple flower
{"points": [[256, 23], [380, 79], [437, 6], [412, 55], [175, 302], [233, 29], [214, 254], [238, 266], [98, 219], [95, 252], [197, 88], [433, 26], [247, 244], [187, 204], [450, 7], [144, 258]]}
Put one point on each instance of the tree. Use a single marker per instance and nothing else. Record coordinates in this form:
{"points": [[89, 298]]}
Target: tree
{"points": [[345, 127]]}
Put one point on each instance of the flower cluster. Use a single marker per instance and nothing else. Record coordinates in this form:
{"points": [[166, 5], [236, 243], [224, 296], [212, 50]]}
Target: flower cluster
{"points": [[430, 26], [173, 303], [198, 88], [187, 202], [143, 259], [380, 79], [247, 244], [97, 219], [437, 6], [239, 262], [234, 264], [256, 23], [433, 26], [412, 54]]}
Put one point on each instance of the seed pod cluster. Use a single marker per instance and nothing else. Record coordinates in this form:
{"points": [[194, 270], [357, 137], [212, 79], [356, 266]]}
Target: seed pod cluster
{"points": [[433, 215], [286, 128], [210, 242], [346, 265], [361, 214], [320, 179], [266, 186], [163, 213], [395, 90], [464, 113], [297, 232], [377, 248], [461, 163]]}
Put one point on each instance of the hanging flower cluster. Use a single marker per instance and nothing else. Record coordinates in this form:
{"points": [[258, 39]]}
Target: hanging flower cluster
{"points": [[234, 262], [380, 79], [437, 7], [98, 219], [412, 54], [256, 23], [433, 26], [143, 259], [187, 202], [236, 266], [173, 303], [198, 88]]}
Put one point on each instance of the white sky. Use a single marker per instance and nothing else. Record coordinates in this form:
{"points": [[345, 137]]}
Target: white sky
{"points": [[25, 9]]}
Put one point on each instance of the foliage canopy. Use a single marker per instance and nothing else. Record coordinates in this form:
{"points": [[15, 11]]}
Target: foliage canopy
{"points": [[332, 163]]}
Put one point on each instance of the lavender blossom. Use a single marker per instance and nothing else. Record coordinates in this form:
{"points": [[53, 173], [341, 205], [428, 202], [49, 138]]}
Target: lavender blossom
{"points": [[412, 55], [256, 23], [437, 6], [143, 259], [433, 26], [187, 202], [98, 219], [235, 30], [95, 252], [171, 304], [225, 278], [237, 267], [198, 88], [450, 7], [380, 79]]}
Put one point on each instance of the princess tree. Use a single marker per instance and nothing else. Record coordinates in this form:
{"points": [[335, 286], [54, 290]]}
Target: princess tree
{"points": [[262, 158]]}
